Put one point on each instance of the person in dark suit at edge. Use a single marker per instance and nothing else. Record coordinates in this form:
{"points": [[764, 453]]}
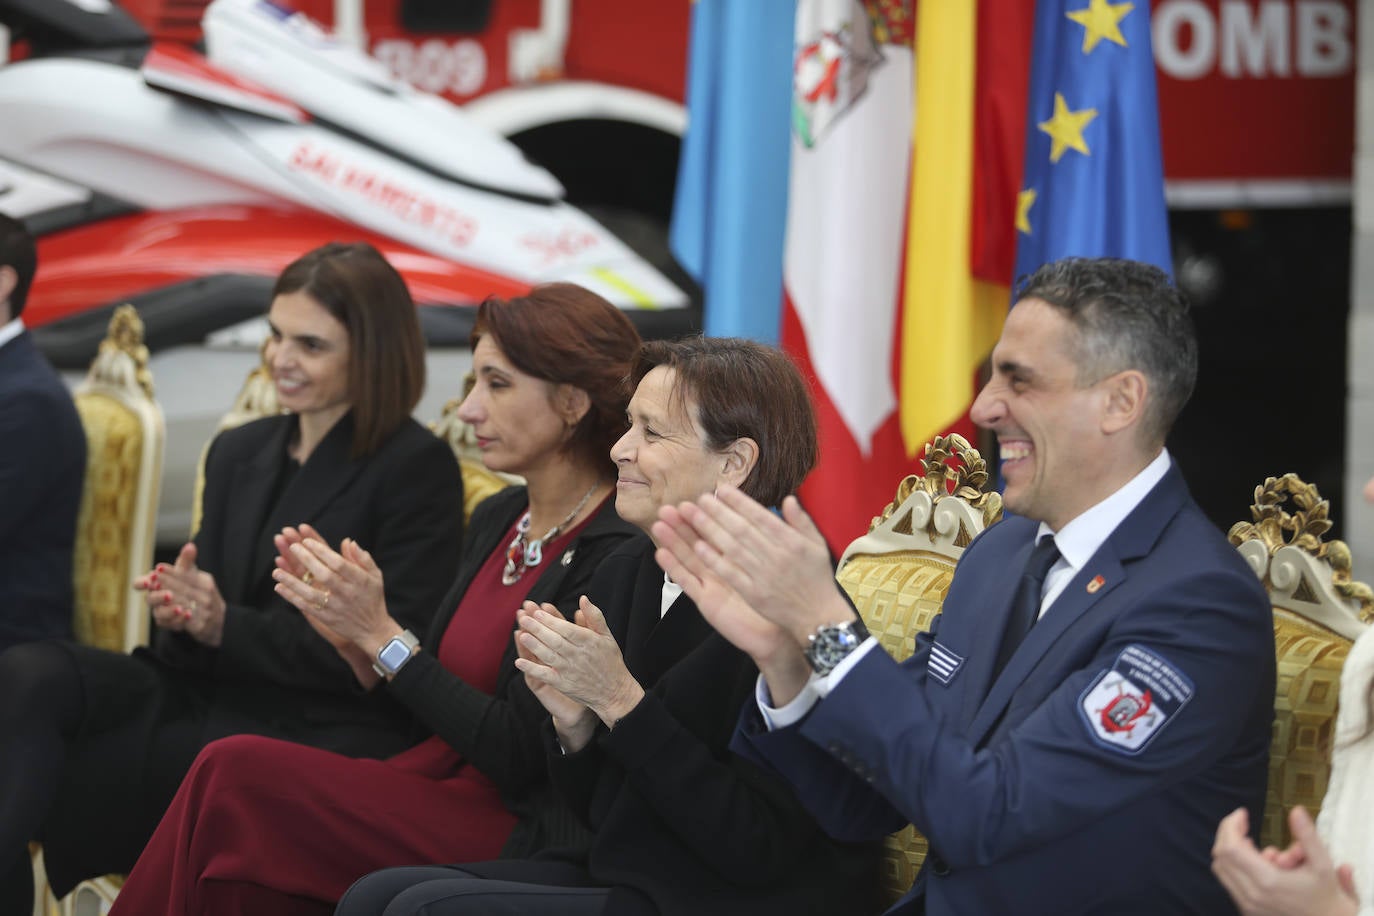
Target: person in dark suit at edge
{"points": [[42, 464], [1073, 757], [97, 742]]}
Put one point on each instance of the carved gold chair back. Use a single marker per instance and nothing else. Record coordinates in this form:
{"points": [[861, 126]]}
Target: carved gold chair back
{"points": [[899, 572], [1319, 610], [125, 435]]}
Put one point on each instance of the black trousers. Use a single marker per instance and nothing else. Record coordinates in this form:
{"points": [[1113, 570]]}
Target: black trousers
{"points": [[95, 746], [556, 889]]}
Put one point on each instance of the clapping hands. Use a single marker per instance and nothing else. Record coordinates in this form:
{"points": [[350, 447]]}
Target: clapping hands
{"points": [[184, 598], [1298, 881], [340, 593], [575, 668]]}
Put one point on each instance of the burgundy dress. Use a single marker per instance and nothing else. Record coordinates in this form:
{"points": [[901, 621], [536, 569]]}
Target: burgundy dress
{"points": [[271, 827]]}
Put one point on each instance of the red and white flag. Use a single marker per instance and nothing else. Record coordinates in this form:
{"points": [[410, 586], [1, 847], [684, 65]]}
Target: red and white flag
{"points": [[842, 263], [886, 303]]}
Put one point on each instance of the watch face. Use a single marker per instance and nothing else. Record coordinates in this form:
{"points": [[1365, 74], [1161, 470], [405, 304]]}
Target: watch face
{"points": [[394, 655], [830, 645]]}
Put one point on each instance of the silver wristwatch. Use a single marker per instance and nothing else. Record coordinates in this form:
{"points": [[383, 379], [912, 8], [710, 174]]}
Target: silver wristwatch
{"points": [[393, 656], [832, 643]]}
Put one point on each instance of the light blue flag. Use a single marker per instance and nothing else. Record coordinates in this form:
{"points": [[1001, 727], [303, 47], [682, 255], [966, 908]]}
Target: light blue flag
{"points": [[1094, 180], [730, 207]]}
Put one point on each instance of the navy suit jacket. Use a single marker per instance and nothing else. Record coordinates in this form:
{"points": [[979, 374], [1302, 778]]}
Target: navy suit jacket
{"points": [[42, 467], [1090, 775]]}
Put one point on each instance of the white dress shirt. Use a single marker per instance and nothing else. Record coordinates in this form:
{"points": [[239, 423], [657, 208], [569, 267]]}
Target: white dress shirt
{"points": [[10, 330], [670, 592]]}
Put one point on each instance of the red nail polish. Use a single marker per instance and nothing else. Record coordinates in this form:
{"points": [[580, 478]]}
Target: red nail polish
{"points": [[166, 599]]}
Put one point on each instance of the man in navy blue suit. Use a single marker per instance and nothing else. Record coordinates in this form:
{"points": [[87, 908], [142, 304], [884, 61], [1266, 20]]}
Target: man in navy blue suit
{"points": [[1098, 690], [42, 464]]}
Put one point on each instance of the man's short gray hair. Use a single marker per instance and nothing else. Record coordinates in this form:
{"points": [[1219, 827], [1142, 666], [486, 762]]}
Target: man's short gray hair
{"points": [[1128, 315]]}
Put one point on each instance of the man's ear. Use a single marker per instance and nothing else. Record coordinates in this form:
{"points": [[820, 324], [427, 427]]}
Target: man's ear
{"points": [[572, 403], [740, 457], [1126, 394], [9, 279]]}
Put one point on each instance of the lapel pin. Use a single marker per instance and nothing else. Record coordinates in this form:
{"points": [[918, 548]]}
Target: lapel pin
{"points": [[1096, 583]]}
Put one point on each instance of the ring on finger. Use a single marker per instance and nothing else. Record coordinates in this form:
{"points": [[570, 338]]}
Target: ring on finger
{"points": [[307, 577]]}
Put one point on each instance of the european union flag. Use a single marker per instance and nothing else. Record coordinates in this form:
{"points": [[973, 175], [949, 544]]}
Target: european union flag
{"points": [[1094, 182]]}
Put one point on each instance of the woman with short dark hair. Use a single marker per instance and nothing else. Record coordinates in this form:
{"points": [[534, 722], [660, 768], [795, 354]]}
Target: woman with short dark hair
{"points": [[365, 294]]}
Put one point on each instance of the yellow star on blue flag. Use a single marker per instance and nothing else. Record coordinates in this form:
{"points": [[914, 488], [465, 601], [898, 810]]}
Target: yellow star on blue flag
{"points": [[1100, 20], [1065, 128]]}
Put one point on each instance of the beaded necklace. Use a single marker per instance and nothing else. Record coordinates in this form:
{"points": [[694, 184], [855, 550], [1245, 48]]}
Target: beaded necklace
{"points": [[524, 553]]}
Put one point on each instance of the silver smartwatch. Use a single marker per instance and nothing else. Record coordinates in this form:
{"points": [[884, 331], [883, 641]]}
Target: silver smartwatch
{"points": [[393, 656], [832, 642]]}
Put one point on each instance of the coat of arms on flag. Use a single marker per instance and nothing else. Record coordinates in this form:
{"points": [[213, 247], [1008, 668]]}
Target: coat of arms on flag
{"points": [[832, 65]]}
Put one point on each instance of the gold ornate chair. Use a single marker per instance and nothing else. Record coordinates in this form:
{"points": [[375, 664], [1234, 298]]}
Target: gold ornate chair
{"points": [[115, 529], [1318, 612], [898, 573], [479, 482]]}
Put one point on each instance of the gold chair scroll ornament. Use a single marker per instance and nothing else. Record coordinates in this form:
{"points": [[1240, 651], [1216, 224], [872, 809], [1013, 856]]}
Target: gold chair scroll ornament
{"points": [[1319, 610], [899, 572]]}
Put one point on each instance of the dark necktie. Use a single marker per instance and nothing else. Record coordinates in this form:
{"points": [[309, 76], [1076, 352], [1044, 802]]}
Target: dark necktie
{"points": [[1025, 605]]}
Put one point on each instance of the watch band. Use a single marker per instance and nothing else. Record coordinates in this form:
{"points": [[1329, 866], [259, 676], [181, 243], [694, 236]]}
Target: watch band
{"points": [[393, 656]]}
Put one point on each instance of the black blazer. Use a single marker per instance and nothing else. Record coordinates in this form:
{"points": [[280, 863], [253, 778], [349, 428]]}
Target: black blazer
{"points": [[677, 817], [403, 503], [42, 466], [500, 733]]}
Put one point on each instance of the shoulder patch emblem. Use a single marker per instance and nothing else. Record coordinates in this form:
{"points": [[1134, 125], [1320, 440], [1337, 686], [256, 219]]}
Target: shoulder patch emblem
{"points": [[943, 664], [1128, 704]]}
